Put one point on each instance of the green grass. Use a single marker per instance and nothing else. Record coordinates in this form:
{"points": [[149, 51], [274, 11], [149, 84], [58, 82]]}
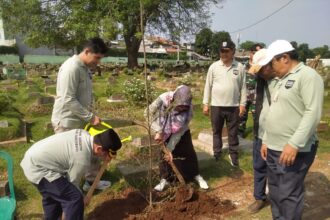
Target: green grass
{"points": [[27, 196]]}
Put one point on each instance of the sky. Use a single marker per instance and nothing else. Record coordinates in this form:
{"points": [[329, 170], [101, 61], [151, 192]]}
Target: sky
{"points": [[303, 21]]}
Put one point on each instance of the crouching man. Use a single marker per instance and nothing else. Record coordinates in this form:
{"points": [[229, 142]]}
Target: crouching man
{"points": [[55, 165]]}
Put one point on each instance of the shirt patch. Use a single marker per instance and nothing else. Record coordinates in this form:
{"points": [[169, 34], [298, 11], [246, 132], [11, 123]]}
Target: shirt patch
{"points": [[289, 84], [235, 72]]}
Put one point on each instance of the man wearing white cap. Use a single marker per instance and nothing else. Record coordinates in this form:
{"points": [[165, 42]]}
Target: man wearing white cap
{"points": [[265, 83], [225, 90], [290, 142]]}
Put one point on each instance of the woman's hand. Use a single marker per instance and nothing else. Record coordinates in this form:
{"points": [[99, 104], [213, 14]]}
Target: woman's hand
{"points": [[159, 138], [168, 157]]}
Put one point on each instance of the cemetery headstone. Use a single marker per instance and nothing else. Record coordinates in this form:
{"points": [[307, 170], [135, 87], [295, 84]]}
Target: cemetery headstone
{"points": [[117, 98], [45, 100]]}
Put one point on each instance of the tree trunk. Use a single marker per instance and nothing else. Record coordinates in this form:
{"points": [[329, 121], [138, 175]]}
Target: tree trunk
{"points": [[132, 48]]}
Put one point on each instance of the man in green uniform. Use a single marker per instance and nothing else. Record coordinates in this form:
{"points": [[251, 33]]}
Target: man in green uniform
{"points": [[290, 142]]}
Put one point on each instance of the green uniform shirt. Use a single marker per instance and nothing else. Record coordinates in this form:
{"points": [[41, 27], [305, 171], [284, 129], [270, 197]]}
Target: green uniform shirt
{"points": [[225, 86], [295, 110], [65, 154]]}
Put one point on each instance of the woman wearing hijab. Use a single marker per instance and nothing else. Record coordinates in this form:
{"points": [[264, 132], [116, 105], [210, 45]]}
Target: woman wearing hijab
{"points": [[170, 115]]}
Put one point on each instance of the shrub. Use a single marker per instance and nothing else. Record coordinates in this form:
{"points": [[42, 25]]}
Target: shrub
{"points": [[135, 92], [5, 102]]}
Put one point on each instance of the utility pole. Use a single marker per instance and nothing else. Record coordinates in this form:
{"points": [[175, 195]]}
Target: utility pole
{"points": [[178, 54]]}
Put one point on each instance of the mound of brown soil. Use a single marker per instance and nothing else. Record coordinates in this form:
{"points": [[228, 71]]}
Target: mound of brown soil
{"points": [[134, 207], [201, 206], [130, 202]]}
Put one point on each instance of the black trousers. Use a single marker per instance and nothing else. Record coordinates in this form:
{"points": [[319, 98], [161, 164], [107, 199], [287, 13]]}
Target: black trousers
{"points": [[220, 115], [245, 117], [184, 158], [61, 196], [260, 171], [286, 184]]}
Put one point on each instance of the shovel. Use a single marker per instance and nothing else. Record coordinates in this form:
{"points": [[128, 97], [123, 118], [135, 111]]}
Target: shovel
{"points": [[184, 192], [91, 190], [94, 130]]}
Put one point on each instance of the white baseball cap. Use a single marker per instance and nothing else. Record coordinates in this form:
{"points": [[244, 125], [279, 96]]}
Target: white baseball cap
{"points": [[258, 58], [276, 48]]}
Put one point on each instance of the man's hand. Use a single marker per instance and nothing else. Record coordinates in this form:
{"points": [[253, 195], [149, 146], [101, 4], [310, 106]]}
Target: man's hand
{"points": [[206, 110], [288, 155], [159, 138], [263, 151], [241, 110], [95, 120], [168, 157]]}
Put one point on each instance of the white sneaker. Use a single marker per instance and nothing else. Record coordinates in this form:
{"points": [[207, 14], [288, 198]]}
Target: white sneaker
{"points": [[160, 187], [202, 183], [102, 185]]}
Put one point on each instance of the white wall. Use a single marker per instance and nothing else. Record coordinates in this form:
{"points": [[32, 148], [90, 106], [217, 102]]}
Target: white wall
{"points": [[3, 41]]}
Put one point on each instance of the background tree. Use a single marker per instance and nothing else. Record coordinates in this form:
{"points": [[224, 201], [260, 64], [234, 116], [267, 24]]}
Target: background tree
{"points": [[217, 38], [203, 41], [323, 51], [247, 45], [62, 23], [304, 52]]}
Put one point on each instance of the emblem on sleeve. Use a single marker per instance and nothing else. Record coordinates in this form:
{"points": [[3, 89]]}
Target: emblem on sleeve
{"points": [[235, 72], [289, 84]]}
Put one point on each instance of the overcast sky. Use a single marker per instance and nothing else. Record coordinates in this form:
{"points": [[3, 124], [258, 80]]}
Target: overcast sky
{"points": [[303, 21]]}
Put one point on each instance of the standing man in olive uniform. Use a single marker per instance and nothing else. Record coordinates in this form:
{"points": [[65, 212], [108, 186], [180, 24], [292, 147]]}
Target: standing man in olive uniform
{"points": [[290, 142], [225, 91], [250, 92]]}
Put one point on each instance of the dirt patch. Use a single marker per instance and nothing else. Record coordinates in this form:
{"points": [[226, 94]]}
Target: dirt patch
{"points": [[227, 198], [134, 207], [123, 206], [201, 206]]}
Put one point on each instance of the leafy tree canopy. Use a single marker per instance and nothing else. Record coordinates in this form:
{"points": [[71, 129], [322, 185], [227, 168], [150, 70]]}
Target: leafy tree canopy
{"points": [[203, 41], [247, 45], [67, 23]]}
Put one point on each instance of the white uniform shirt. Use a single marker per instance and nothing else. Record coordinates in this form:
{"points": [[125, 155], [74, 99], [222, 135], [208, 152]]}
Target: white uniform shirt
{"points": [[225, 86]]}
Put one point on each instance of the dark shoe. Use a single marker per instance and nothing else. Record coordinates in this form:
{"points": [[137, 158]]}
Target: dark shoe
{"points": [[217, 157], [233, 161], [257, 205]]}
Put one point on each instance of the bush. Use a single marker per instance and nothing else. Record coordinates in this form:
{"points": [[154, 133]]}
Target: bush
{"points": [[5, 102], [135, 92], [13, 131]]}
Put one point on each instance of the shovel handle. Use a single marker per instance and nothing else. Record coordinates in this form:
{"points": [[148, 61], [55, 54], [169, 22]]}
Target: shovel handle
{"points": [[90, 192], [174, 168]]}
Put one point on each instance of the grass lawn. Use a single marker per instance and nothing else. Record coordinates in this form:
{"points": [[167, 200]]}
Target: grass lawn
{"points": [[28, 198]]}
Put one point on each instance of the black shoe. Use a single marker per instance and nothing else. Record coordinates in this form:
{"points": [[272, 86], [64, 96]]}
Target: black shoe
{"points": [[217, 157], [257, 205]]}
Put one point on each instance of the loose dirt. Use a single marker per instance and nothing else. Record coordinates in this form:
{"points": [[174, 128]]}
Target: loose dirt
{"points": [[134, 207], [226, 199]]}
